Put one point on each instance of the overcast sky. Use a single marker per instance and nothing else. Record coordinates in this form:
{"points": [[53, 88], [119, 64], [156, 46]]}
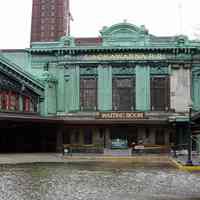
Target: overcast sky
{"points": [[161, 17]]}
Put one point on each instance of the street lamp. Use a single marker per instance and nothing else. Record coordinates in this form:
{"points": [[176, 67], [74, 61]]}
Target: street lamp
{"points": [[189, 159]]}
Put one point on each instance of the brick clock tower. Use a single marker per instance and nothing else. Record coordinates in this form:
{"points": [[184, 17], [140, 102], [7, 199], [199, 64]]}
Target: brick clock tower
{"points": [[50, 20]]}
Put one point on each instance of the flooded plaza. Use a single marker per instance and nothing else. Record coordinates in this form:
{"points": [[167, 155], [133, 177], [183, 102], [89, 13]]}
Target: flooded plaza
{"points": [[97, 181]]}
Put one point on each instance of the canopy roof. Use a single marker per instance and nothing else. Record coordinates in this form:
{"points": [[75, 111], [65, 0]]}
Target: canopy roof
{"points": [[21, 77]]}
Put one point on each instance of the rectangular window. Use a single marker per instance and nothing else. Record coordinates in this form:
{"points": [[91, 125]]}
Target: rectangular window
{"points": [[123, 96], [160, 93], [88, 93]]}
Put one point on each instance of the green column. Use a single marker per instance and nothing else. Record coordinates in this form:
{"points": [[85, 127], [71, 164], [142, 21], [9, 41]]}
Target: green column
{"points": [[45, 110], [142, 88], [198, 143], [196, 93], [20, 103], [104, 88], [42, 106], [51, 98], [61, 90], [74, 88], [67, 93]]}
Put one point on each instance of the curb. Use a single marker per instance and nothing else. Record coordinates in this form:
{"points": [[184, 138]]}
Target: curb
{"points": [[180, 166]]}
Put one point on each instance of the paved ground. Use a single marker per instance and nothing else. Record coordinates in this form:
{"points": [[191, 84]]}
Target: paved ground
{"points": [[30, 158], [59, 158], [96, 181]]}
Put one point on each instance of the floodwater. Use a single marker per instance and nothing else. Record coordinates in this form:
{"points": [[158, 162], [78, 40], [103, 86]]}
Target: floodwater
{"points": [[97, 181]]}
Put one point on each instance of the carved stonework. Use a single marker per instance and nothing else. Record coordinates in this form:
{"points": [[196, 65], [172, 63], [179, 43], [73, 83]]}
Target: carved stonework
{"points": [[48, 77], [88, 71], [196, 72], [124, 34], [123, 70], [159, 69]]}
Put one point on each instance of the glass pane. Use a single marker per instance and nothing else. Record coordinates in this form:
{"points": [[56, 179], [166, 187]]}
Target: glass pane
{"points": [[159, 93], [88, 93], [123, 94]]}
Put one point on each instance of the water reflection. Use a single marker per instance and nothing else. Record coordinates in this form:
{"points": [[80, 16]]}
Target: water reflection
{"points": [[97, 181]]}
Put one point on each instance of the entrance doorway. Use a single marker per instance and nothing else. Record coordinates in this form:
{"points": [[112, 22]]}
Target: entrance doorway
{"points": [[124, 134]]}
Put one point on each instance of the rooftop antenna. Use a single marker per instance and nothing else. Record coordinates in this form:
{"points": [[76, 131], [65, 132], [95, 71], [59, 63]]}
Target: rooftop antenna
{"points": [[69, 18], [180, 11]]}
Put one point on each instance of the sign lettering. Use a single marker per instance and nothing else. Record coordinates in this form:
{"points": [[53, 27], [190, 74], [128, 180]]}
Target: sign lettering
{"points": [[125, 56], [120, 115]]}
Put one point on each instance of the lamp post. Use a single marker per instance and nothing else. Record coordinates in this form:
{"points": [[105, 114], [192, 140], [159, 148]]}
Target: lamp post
{"points": [[189, 159]]}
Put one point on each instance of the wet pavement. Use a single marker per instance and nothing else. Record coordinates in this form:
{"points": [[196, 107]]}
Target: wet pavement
{"points": [[97, 181]]}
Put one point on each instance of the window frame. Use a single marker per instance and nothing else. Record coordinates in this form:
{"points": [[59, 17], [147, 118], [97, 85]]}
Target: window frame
{"points": [[133, 92], [166, 103], [83, 108]]}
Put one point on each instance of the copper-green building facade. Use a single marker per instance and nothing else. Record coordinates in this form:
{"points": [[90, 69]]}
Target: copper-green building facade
{"points": [[125, 85]]}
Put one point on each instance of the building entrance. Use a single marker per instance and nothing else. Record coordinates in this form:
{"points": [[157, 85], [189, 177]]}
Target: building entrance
{"points": [[123, 136]]}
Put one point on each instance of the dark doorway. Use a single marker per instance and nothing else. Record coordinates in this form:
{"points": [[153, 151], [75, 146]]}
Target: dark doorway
{"points": [[27, 139], [87, 136], [160, 137]]}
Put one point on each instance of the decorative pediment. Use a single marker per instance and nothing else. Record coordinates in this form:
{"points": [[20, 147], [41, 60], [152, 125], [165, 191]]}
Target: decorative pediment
{"points": [[124, 34], [67, 41]]}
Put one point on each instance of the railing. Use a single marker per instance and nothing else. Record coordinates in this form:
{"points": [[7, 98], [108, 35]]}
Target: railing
{"points": [[150, 149], [69, 149], [180, 149]]}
